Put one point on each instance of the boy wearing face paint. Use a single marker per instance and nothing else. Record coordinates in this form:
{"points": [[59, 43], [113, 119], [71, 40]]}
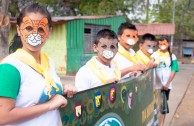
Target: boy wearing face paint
{"points": [[100, 69], [127, 36], [147, 47]]}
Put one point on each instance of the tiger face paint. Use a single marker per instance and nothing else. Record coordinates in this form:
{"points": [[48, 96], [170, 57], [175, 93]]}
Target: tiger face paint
{"points": [[34, 32]]}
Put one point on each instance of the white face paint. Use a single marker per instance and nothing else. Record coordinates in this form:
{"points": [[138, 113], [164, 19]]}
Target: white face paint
{"points": [[34, 39], [131, 42], [107, 54], [150, 51], [163, 47]]}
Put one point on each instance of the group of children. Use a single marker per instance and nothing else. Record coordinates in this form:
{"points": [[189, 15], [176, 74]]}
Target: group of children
{"points": [[117, 60], [31, 91]]}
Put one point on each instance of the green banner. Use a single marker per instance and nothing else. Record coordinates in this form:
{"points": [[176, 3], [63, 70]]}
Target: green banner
{"points": [[131, 102]]}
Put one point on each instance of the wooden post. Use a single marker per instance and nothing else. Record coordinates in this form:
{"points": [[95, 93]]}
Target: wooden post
{"points": [[4, 28]]}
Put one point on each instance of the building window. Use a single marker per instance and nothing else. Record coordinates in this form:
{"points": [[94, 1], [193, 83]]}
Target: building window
{"points": [[187, 52], [90, 32]]}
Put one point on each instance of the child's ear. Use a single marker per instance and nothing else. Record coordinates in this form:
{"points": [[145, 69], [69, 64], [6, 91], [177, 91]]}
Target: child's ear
{"points": [[119, 37], [95, 48], [140, 45], [18, 30]]}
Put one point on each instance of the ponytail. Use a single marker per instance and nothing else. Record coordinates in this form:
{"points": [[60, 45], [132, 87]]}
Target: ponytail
{"points": [[15, 44], [170, 53]]}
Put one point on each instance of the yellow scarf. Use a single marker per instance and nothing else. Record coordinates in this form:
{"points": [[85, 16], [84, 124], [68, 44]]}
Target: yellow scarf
{"points": [[140, 56], [43, 68], [163, 56], [126, 54], [102, 74]]}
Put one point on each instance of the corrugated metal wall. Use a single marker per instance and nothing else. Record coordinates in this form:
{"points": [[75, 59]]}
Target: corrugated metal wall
{"points": [[75, 40], [55, 47]]}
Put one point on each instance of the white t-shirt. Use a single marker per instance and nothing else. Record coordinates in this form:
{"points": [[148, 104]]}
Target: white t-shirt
{"points": [[86, 79], [33, 91], [163, 70], [123, 62]]}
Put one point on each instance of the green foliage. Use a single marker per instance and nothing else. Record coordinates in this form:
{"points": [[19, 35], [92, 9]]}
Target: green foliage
{"points": [[141, 11], [100, 7], [48, 2]]}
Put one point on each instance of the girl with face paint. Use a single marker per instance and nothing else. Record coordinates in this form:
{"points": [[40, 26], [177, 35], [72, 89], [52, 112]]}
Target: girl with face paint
{"points": [[30, 90], [147, 47], [101, 69], [127, 36], [165, 71]]}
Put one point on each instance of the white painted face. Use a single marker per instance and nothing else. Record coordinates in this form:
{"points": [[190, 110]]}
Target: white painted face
{"points": [[163, 47], [34, 39], [107, 47], [150, 51], [148, 46], [131, 41]]}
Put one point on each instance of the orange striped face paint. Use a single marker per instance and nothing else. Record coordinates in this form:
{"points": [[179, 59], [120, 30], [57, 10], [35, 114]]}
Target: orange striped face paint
{"points": [[34, 32]]}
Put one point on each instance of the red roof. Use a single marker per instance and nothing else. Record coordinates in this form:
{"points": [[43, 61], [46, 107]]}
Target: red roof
{"points": [[156, 29]]}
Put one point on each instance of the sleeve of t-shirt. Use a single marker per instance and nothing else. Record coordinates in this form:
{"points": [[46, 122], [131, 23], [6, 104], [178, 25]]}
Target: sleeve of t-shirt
{"points": [[82, 79], [10, 81], [174, 66]]}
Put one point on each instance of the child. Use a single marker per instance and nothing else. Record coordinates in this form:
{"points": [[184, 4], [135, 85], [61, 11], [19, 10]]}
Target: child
{"points": [[166, 70], [127, 36], [30, 90], [147, 47], [101, 69]]}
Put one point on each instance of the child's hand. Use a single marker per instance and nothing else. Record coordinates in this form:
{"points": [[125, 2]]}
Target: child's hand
{"points": [[113, 80], [155, 65], [134, 73], [150, 64], [140, 67], [69, 90], [165, 87], [56, 101]]}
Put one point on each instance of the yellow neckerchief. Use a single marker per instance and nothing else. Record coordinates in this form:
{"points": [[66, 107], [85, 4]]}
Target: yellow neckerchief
{"points": [[126, 54], [43, 68], [140, 56], [102, 74], [162, 55]]}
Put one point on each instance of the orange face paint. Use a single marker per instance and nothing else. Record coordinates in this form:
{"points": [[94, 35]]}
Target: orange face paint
{"points": [[133, 35], [34, 32]]}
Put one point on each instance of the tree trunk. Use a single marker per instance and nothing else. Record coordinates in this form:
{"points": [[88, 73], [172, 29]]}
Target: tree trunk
{"points": [[4, 28]]}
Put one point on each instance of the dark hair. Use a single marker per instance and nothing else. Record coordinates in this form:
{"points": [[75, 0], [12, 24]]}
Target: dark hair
{"points": [[33, 8], [105, 33], [169, 51], [149, 37], [124, 26]]}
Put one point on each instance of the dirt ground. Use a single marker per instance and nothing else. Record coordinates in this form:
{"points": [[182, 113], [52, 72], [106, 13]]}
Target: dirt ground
{"points": [[184, 115]]}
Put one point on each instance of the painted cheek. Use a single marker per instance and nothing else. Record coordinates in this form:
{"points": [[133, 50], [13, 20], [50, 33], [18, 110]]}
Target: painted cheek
{"points": [[136, 39]]}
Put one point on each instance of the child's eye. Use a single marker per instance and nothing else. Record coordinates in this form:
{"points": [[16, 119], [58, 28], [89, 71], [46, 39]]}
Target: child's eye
{"points": [[29, 28], [41, 30], [104, 46], [149, 45], [112, 47], [133, 36]]}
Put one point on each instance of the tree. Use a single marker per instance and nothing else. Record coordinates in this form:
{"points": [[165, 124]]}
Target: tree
{"points": [[4, 28]]}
